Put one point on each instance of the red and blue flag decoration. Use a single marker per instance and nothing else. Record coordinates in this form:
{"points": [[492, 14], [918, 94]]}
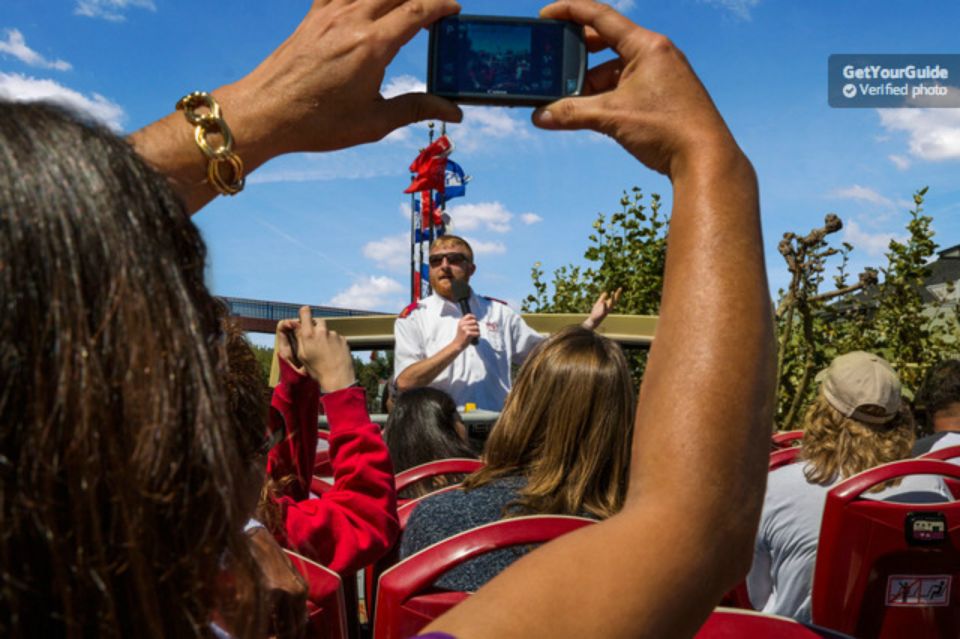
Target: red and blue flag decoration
{"points": [[430, 166], [428, 210], [441, 147], [430, 176], [429, 235], [455, 182]]}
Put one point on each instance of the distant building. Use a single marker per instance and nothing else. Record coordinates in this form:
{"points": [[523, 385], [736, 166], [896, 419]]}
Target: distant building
{"points": [[943, 284], [261, 316]]}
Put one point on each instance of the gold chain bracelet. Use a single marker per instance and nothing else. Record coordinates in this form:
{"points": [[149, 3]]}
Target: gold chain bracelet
{"points": [[212, 123]]}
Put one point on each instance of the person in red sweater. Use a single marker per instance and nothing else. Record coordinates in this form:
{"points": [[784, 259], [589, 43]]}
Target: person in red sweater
{"points": [[354, 523]]}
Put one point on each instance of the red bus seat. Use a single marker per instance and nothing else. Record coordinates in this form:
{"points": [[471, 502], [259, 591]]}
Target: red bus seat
{"points": [[319, 485], [887, 569], [321, 463], [436, 468], [786, 439], [371, 574], [407, 600], [784, 456], [727, 623], [950, 454], [326, 605]]}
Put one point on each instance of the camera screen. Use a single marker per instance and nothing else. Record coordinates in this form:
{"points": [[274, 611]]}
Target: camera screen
{"points": [[498, 58]]}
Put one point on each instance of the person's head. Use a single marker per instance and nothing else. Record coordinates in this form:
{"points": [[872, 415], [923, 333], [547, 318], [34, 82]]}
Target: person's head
{"points": [[424, 426], [119, 459], [567, 427], [940, 396], [857, 421], [451, 259]]}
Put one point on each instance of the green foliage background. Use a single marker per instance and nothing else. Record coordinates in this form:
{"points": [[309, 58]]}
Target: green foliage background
{"points": [[627, 251], [881, 312]]}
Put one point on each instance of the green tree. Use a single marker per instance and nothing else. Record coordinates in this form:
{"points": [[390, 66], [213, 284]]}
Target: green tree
{"points": [[626, 250], [886, 316], [265, 359], [371, 374]]}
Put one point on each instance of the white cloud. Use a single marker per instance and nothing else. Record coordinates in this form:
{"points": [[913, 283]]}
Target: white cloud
{"points": [[391, 252], [112, 10], [934, 134], [21, 88], [530, 218], [486, 248], [491, 216], [403, 84], [370, 294], [863, 194], [899, 161], [483, 124], [739, 8], [16, 45], [479, 126], [623, 5], [873, 244]]}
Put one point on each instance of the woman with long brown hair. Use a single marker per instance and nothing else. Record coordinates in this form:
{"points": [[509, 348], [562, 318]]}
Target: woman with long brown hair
{"points": [[561, 446], [121, 463]]}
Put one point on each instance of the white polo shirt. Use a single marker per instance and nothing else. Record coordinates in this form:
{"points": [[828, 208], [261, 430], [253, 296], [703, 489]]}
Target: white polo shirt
{"points": [[481, 373]]}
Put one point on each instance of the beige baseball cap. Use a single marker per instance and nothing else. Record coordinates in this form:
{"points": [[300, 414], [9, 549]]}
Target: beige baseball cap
{"points": [[858, 380]]}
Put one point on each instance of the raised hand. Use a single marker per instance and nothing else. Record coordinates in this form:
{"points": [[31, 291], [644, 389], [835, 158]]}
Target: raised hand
{"points": [[601, 308], [324, 353], [286, 344], [648, 99], [321, 88]]}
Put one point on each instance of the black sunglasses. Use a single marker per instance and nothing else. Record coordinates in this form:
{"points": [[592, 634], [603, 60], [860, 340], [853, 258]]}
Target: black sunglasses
{"points": [[453, 259]]}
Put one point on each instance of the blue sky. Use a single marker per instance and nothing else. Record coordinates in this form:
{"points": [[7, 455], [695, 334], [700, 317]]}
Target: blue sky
{"points": [[333, 228]]}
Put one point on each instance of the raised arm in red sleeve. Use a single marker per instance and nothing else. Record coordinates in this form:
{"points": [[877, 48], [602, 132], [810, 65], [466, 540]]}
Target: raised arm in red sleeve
{"points": [[355, 522], [294, 407]]}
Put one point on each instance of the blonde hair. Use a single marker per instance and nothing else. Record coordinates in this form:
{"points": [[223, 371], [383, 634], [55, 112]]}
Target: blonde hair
{"points": [[453, 240], [566, 427], [837, 447]]}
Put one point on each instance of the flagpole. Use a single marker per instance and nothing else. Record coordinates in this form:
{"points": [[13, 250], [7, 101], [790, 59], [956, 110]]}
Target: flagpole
{"points": [[430, 127], [433, 229], [413, 237]]}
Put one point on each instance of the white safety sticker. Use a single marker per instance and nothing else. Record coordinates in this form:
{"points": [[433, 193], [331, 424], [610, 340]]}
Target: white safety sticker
{"points": [[919, 590]]}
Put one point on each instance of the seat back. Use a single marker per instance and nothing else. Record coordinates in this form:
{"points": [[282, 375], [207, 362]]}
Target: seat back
{"points": [[786, 438], [784, 456], [950, 454], [889, 569], [319, 485], [407, 600], [326, 607], [371, 574], [728, 623], [452, 466]]}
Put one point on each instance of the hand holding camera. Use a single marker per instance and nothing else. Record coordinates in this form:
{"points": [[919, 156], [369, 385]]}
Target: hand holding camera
{"points": [[648, 99], [316, 351]]}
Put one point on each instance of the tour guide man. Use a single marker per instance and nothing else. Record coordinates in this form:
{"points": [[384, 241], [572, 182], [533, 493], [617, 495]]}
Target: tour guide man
{"points": [[433, 337]]}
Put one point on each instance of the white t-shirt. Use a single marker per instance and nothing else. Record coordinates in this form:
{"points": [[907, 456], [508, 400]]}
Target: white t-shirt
{"points": [[780, 581], [481, 373]]}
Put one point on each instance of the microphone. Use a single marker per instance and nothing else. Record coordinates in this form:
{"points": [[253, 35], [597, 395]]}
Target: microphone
{"points": [[461, 293]]}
